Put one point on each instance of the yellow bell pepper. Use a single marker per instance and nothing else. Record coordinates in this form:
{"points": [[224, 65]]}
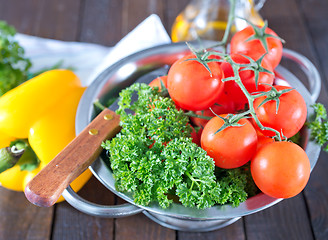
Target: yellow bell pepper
{"points": [[41, 110], [5, 139]]}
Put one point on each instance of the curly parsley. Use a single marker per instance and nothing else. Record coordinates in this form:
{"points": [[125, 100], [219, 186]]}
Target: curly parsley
{"points": [[319, 125], [153, 156], [13, 65]]}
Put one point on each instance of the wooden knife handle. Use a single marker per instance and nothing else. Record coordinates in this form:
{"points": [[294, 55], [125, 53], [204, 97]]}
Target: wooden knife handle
{"points": [[47, 186]]}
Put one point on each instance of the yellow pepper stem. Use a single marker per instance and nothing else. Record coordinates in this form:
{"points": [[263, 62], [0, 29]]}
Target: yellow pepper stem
{"points": [[9, 156], [19, 152]]}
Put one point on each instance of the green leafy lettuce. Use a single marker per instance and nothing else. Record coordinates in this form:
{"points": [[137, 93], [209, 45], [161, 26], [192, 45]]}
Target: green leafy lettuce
{"points": [[154, 157]]}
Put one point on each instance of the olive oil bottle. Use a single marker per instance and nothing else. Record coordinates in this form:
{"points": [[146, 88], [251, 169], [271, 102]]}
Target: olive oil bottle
{"points": [[207, 19]]}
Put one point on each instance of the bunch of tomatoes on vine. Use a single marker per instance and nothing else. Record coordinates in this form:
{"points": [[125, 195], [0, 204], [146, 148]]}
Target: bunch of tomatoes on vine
{"points": [[242, 114]]}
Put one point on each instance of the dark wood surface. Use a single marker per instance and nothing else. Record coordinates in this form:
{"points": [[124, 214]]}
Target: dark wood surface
{"points": [[302, 23]]}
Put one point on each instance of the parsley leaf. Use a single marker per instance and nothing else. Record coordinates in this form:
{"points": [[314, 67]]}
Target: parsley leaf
{"points": [[154, 157], [319, 125], [13, 65]]}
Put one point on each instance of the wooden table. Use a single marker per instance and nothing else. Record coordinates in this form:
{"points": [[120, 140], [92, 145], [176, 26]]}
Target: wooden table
{"points": [[302, 23]]}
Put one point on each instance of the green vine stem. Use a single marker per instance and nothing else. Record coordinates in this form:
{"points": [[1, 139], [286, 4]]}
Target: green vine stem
{"points": [[236, 69], [203, 55], [250, 99], [193, 114]]}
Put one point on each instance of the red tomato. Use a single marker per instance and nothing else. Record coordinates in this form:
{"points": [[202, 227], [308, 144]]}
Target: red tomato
{"points": [[247, 77], [262, 139], [191, 86], [291, 113], [157, 82], [196, 135], [231, 147], [281, 169], [254, 48], [280, 80], [201, 122], [223, 105]]}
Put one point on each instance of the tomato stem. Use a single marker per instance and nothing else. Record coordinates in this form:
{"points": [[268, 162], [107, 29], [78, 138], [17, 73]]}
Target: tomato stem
{"points": [[192, 114], [254, 66], [250, 99], [203, 57]]}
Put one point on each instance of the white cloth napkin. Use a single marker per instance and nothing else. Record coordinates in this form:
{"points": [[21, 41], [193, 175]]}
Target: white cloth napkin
{"points": [[88, 60]]}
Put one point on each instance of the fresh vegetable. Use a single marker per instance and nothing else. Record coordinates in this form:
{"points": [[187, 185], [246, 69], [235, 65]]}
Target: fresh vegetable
{"points": [[11, 154], [154, 158], [319, 125], [160, 82], [223, 105], [191, 86], [13, 64], [236, 67], [256, 42], [196, 134], [281, 169], [173, 165], [284, 110], [41, 113], [262, 139], [251, 79], [230, 142], [23, 106], [5, 139]]}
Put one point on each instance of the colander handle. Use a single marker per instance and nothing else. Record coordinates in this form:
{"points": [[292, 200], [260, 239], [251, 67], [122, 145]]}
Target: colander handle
{"points": [[47, 186], [309, 69], [97, 210], [54, 179]]}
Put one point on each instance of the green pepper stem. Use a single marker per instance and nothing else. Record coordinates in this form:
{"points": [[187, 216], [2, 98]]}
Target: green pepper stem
{"points": [[9, 156], [18, 153]]}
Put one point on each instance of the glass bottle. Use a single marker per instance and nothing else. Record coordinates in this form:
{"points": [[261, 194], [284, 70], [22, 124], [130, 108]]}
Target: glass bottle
{"points": [[207, 19]]}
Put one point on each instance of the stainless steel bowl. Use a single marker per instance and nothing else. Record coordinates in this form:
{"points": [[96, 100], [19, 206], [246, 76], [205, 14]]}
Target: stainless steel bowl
{"points": [[146, 65]]}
